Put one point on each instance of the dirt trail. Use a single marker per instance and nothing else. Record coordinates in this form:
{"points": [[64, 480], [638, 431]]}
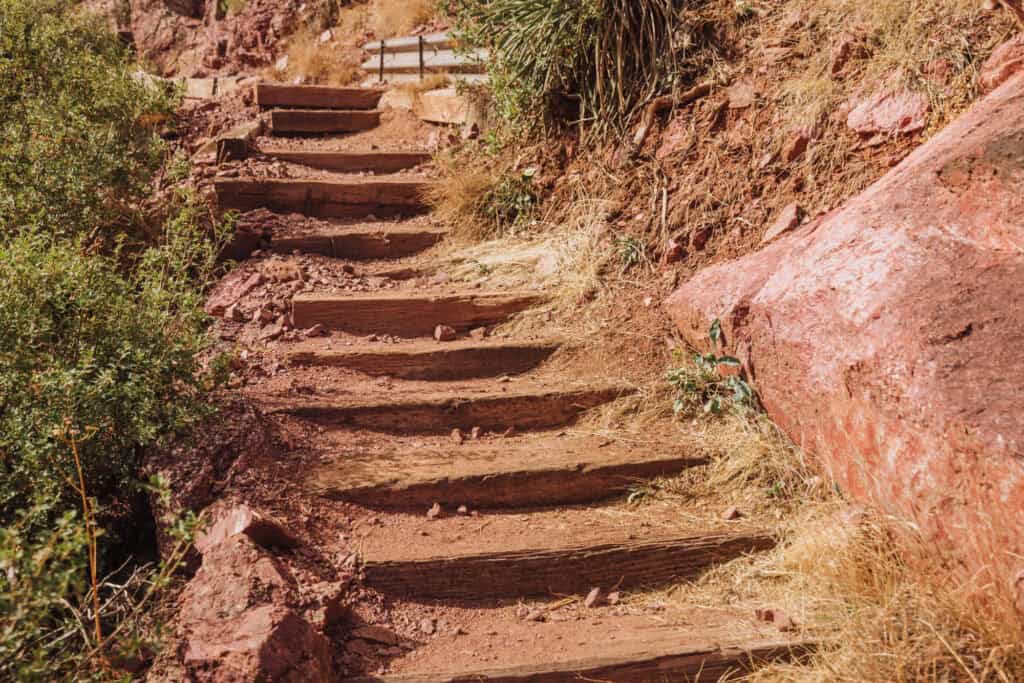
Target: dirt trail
{"points": [[432, 457]]}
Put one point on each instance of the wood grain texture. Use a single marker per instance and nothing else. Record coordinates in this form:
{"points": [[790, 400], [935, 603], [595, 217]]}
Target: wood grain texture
{"points": [[433, 360], [383, 243], [656, 662], [408, 315], [569, 569], [313, 121], [349, 162], [316, 96], [324, 198], [442, 414], [461, 478]]}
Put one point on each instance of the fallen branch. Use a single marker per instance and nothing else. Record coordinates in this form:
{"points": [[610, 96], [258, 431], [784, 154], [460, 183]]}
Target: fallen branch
{"points": [[660, 104]]}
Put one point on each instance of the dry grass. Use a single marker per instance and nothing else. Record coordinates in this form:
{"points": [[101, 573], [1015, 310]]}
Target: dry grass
{"points": [[320, 64], [389, 18]]}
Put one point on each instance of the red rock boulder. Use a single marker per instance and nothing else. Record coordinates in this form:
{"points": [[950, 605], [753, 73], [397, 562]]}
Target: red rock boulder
{"points": [[1006, 60], [887, 336]]}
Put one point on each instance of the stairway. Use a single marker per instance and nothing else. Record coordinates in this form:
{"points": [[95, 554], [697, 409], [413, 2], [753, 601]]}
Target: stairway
{"points": [[409, 424]]}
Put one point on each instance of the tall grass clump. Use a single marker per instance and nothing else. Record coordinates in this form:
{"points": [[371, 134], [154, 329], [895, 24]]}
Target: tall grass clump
{"points": [[591, 61]]}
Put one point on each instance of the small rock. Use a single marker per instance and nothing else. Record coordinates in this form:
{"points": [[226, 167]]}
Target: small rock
{"points": [[457, 436], [674, 251], [434, 512], [348, 269], [594, 598], [479, 333], [795, 146], [741, 95], [444, 333], [1006, 60], [234, 313], [261, 528], [377, 634], [614, 598], [315, 331], [463, 510], [271, 332], [699, 238], [731, 513], [327, 36], [475, 433], [428, 626], [281, 64], [787, 220], [890, 112], [537, 615]]}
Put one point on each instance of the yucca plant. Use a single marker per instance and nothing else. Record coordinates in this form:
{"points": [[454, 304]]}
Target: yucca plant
{"points": [[593, 60]]}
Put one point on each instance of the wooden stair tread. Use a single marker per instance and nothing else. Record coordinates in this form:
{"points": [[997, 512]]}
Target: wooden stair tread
{"points": [[491, 472], [361, 242], [441, 411], [380, 162], [404, 314], [626, 648], [322, 121], [316, 96], [320, 198], [429, 360], [529, 558]]}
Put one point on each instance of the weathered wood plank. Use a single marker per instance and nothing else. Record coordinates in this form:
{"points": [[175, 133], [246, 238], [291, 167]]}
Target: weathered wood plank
{"points": [[485, 476], [440, 414], [324, 199], [433, 361], [321, 121], [408, 315], [348, 162], [439, 61], [382, 243], [559, 570], [316, 96], [678, 660]]}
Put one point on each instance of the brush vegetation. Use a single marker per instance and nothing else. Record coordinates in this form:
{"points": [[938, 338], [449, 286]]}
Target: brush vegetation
{"points": [[588, 61], [102, 339]]}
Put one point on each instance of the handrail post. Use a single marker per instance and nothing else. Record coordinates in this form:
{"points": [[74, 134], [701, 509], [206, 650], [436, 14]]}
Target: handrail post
{"points": [[423, 67], [382, 48]]}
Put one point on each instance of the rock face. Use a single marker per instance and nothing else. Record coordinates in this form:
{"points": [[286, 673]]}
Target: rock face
{"points": [[886, 336], [1006, 60], [890, 112]]}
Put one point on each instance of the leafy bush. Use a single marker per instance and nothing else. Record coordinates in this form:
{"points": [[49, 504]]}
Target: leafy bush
{"points": [[78, 133], [89, 351], [703, 388], [599, 59]]}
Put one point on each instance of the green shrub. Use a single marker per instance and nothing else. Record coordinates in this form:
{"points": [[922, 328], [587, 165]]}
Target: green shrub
{"points": [[87, 349], [78, 132], [599, 59], [702, 388]]}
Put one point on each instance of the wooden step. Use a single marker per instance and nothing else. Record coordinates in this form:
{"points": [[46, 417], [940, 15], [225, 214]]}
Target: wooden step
{"points": [[366, 242], [349, 162], [321, 121], [325, 198], [532, 470], [408, 315], [434, 61], [623, 649], [432, 42], [434, 361], [316, 96], [556, 565], [442, 411]]}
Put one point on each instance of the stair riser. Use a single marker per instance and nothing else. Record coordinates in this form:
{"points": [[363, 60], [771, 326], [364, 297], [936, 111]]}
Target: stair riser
{"points": [[495, 414], [323, 199], [313, 97], [535, 488], [352, 163], [524, 574], [407, 317], [321, 122], [360, 247], [701, 667], [440, 365]]}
